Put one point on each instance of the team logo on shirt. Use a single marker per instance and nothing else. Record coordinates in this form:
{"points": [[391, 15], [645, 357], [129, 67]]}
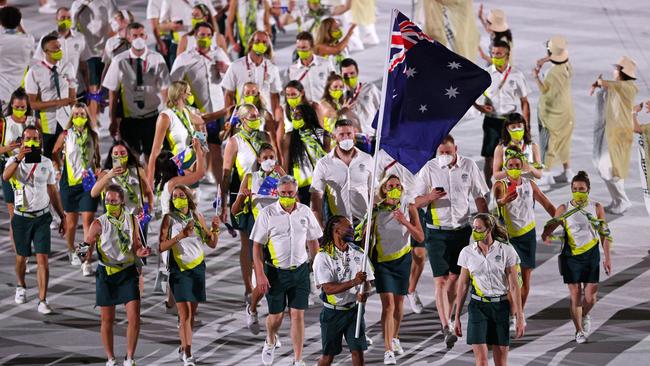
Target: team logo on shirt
{"points": [[498, 258], [465, 177], [321, 75], [357, 260], [303, 222], [362, 166]]}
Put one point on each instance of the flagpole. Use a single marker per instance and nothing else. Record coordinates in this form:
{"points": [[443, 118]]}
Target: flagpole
{"points": [[371, 203]]}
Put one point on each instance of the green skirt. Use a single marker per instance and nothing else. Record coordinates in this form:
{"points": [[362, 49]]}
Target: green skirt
{"points": [[188, 285], [119, 288]]}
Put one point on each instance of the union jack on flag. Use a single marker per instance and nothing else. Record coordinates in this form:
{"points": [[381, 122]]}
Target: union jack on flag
{"points": [[428, 89]]}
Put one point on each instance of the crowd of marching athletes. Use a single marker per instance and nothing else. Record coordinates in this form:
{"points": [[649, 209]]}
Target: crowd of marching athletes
{"points": [[292, 154]]}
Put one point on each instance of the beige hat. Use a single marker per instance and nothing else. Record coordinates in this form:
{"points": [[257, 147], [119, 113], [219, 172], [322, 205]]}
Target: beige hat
{"points": [[497, 19], [558, 49], [628, 66]]}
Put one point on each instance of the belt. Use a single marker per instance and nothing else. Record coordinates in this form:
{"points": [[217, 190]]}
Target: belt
{"points": [[290, 268], [446, 228], [33, 214], [345, 307], [490, 299]]}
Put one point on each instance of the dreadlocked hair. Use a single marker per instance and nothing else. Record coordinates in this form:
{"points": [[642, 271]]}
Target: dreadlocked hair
{"points": [[327, 243], [498, 231]]}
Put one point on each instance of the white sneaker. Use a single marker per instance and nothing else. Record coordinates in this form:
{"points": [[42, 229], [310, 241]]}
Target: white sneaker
{"points": [[111, 362], [389, 358], [397, 346], [44, 308], [74, 259], [581, 337], [416, 304], [21, 295], [189, 361], [450, 338], [369, 340], [87, 269], [620, 208], [299, 363], [586, 324], [128, 362], [252, 322], [268, 353], [564, 176], [48, 8]]}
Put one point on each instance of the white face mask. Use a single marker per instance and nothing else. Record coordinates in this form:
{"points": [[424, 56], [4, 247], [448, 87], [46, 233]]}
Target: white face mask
{"points": [[139, 44], [445, 159], [115, 26], [268, 165], [346, 144]]}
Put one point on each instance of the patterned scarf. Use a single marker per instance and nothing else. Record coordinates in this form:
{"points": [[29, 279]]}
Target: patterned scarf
{"points": [[82, 142], [313, 147], [130, 189], [185, 219], [253, 139], [123, 238], [251, 20]]}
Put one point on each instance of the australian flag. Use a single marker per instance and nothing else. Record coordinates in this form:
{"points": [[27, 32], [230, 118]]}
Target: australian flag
{"points": [[429, 89], [179, 160]]}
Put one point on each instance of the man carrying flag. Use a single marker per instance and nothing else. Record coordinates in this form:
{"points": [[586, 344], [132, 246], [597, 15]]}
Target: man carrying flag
{"points": [[426, 91]]}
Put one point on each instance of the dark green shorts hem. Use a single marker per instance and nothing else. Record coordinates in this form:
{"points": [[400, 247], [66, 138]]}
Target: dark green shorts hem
{"points": [[288, 288], [488, 323], [444, 247], [32, 230], [336, 324]]}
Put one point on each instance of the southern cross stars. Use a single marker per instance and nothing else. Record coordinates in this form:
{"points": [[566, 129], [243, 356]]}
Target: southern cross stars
{"points": [[410, 72], [454, 65], [451, 92], [423, 108]]}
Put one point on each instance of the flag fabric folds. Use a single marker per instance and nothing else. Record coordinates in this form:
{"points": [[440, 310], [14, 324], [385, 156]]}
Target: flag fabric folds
{"points": [[429, 89]]}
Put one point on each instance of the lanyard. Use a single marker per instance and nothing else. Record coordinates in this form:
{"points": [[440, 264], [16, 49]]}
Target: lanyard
{"points": [[31, 173], [356, 93], [505, 78], [306, 72], [251, 74]]}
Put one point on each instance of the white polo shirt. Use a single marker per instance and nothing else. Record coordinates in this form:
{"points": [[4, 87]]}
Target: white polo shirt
{"points": [[92, 18], [243, 70], [345, 187], [39, 81], [114, 46], [72, 46], [201, 72], [506, 99], [313, 77], [16, 50], [153, 9], [463, 183], [285, 235], [488, 272], [340, 267], [34, 188], [121, 75], [367, 97]]}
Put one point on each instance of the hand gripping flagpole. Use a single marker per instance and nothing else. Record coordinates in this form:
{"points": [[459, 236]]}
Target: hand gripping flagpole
{"points": [[371, 203]]}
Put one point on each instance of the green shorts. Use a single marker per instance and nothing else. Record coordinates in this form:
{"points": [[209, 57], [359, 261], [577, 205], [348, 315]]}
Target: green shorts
{"points": [[488, 323], [422, 215], [526, 246], [336, 324], [288, 287], [119, 288], [443, 249], [95, 70], [32, 230], [582, 268], [393, 276], [188, 285], [74, 198], [492, 128]]}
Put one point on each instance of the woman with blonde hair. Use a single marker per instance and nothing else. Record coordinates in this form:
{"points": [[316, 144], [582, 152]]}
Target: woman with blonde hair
{"points": [[177, 125], [184, 232], [334, 104], [331, 43], [80, 147]]}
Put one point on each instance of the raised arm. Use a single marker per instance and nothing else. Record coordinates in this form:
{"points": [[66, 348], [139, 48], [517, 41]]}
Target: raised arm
{"points": [[540, 197]]}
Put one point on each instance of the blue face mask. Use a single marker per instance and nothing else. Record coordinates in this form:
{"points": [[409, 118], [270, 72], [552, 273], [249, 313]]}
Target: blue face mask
{"points": [[349, 236]]}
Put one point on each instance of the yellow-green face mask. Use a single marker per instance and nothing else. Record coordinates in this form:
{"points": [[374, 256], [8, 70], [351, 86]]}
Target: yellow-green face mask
{"points": [[499, 62], [294, 102], [123, 159], [287, 202], [580, 197], [394, 194], [517, 134], [64, 24], [337, 34], [179, 203], [205, 42], [514, 173], [57, 56], [250, 99], [190, 99], [260, 48], [196, 21], [113, 210], [303, 55], [20, 113], [351, 82], [79, 121], [298, 123], [336, 94], [478, 236], [32, 143], [254, 124]]}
